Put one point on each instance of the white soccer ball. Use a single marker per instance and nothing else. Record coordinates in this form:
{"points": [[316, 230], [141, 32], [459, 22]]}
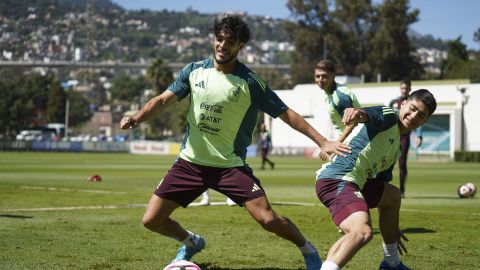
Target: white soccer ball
{"points": [[182, 265], [467, 190]]}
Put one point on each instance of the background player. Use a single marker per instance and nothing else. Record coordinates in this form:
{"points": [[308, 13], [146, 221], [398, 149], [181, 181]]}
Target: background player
{"points": [[405, 87], [337, 96]]}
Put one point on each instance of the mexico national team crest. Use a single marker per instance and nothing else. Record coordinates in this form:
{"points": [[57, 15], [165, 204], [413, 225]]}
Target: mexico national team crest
{"points": [[234, 95]]}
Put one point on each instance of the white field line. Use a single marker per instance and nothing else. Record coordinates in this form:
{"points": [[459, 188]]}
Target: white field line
{"points": [[69, 208], [75, 190], [96, 207]]}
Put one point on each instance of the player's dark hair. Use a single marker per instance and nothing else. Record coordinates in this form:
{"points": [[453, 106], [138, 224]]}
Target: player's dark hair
{"points": [[426, 97], [407, 82], [233, 26], [326, 65]]}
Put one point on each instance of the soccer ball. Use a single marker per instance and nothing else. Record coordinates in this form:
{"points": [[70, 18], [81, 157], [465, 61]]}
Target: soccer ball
{"points": [[467, 190], [95, 178], [182, 265]]}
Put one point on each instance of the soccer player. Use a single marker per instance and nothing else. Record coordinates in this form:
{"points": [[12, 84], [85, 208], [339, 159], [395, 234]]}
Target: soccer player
{"points": [[225, 97], [265, 143], [405, 87], [337, 96], [350, 185]]}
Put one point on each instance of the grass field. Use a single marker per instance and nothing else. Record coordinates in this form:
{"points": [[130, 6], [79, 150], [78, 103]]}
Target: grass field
{"points": [[51, 217]]}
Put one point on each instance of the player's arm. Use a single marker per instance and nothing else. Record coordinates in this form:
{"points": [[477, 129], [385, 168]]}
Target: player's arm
{"points": [[153, 107], [352, 116], [293, 119]]}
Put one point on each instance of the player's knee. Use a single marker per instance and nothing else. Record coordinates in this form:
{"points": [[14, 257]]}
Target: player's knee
{"points": [[151, 222], [392, 196], [362, 234], [269, 222]]}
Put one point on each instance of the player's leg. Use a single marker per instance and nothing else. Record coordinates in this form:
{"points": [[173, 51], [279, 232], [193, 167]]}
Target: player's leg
{"points": [[357, 233], [157, 218], [389, 212], [240, 185], [350, 213], [179, 187], [261, 210], [263, 153], [402, 161]]}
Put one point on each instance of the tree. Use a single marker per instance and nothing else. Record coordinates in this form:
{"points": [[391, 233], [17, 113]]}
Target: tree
{"points": [[79, 111], [359, 38], [308, 34], [476, 35], [347, 41], [390, 49], [475, 65], [456, 65], [275, 79], [126, 88], [159, 75], [56, 103]]}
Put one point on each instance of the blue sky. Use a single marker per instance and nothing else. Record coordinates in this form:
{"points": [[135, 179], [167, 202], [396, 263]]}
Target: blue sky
{"points": [[445, 19]]}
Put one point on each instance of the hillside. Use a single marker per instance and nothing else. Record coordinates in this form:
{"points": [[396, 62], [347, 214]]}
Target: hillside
{"points": [[57, 30]]}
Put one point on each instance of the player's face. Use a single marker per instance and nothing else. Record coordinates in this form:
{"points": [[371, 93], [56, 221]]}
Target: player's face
{"points": [[404, 90], [413, 113], [324, 79], [226, 49]]}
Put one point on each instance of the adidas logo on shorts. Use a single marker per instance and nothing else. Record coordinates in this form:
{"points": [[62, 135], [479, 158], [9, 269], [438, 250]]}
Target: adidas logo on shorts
{"points": [[255, 188]]}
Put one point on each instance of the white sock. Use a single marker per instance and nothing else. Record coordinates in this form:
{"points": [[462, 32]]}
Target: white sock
{"points": [[390, 254], [205, 195], [191, 240], [328, 265], [307, 248]]}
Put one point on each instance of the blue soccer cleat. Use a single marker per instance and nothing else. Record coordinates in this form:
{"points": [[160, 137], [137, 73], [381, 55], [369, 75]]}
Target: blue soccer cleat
{"points": [[186, 253], [385, 266], [312, 261]]}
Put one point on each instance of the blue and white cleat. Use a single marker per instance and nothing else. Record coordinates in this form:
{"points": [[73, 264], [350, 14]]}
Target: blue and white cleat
{"points": [[385, 266], [312, 261], [186, 253]]}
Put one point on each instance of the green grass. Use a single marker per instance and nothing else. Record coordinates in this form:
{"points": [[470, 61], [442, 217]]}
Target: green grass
{"points": [[443, 230]]}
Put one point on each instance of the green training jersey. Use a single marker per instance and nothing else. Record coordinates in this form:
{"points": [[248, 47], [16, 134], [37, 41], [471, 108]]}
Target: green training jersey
{"points": [[375, 150], [337, 102], [223, 112]]}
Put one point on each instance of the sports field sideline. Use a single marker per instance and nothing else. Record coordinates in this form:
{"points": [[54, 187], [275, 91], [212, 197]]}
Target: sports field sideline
{"points": [[52, 217]]}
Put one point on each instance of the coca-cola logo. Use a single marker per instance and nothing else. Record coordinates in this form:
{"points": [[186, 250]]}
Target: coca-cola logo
{"points": [[211, 108]]}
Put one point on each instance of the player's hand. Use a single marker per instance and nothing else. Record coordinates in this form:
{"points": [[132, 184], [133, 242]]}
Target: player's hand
{"points": [[128, 122], [400, 245], [418, 142], [330, 148], [353, 116]]}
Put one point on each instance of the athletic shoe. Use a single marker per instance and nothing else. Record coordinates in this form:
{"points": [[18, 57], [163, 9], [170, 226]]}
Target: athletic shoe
{"points": [[385, 266], [186, 253], [312, 261]]}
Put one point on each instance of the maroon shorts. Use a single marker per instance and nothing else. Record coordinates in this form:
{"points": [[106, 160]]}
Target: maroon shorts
{"points": [[185, 181], [344, 198]]}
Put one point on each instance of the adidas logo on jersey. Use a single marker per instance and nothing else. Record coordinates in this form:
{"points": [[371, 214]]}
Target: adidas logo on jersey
{"points": [[255, 188], [201, 84]]}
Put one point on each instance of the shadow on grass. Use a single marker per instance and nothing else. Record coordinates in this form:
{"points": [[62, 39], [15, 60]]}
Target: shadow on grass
{"points": [[14, 216], [410, 230], [207, 266], [434, 197]]}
